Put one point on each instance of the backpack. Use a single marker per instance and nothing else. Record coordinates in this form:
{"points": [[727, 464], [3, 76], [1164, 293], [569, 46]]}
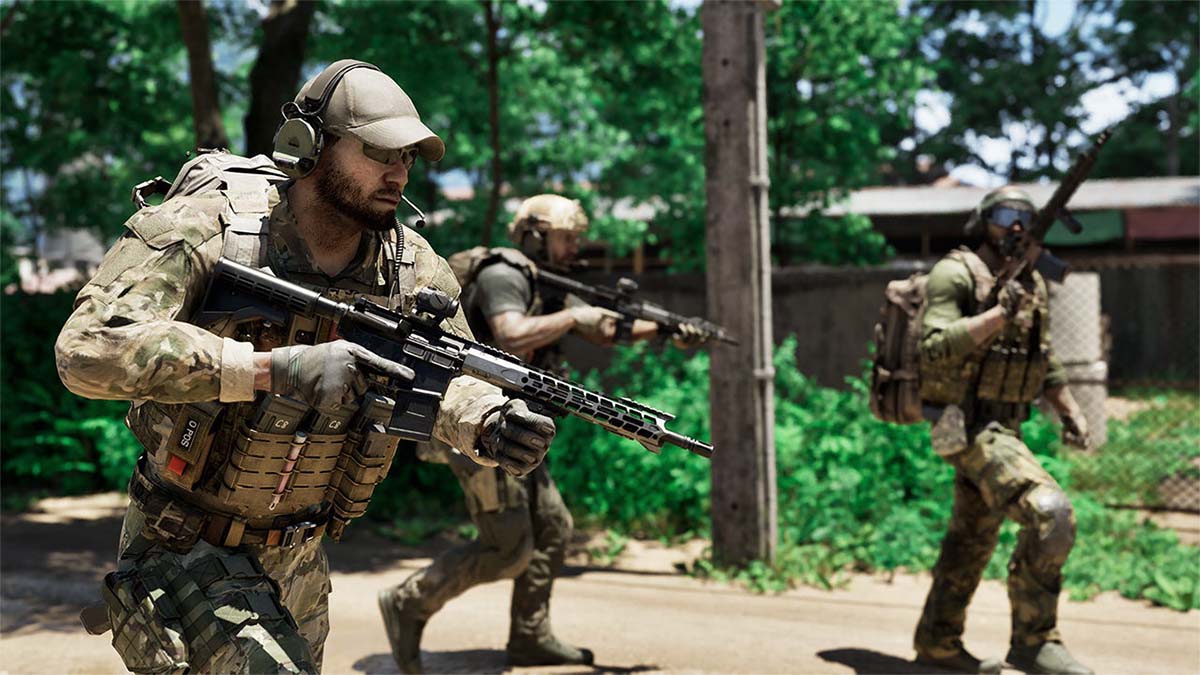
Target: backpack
{"points": [[244, 181], [467, 264], [895, 370]]}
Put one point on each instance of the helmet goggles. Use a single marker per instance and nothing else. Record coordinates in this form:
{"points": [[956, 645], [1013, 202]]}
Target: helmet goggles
{"points": [[1007, 216]]}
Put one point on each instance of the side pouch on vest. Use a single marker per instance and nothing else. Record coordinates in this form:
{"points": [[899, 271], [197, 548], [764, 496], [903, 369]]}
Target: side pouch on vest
{"points": [[273, 462], [363, 463], [186, 450], [146, 619], [948, 435]]}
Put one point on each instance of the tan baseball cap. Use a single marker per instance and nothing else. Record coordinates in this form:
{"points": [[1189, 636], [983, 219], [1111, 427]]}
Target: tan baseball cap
{"points": [[370, 106]]}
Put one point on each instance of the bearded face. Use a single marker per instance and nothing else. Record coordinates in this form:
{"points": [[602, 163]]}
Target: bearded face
{"points": [[346, 197]]}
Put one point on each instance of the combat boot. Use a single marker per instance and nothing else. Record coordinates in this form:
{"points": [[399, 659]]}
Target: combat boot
{"points": [[404, 629], [1048, 657], [961, 661], [546, 652]]}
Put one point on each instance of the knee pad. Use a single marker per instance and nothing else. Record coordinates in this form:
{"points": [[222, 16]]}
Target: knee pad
{"points": [[1055, 519]]}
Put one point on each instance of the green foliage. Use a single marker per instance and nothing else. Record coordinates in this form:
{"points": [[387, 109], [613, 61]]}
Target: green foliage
{"points": [[849, 240], [94, 101], [854, 493], [603, 102], [1006, 77], [841, 84], [1162, 440], [52, 439], [615, 480]]}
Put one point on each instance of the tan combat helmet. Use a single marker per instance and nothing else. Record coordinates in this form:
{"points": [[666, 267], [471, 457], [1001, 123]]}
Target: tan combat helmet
{"points": [[1008, 193], [541, 213]]}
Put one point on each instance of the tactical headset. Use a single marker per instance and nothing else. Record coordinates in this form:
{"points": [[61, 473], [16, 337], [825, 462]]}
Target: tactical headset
{"points": [[299, 140]]}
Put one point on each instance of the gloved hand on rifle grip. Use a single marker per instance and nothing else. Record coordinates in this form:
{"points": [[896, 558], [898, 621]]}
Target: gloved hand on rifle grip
{"points": [[1013, 299], [516, 438], [689, 335], [329, 375], [593, 322], [1075, 431]]}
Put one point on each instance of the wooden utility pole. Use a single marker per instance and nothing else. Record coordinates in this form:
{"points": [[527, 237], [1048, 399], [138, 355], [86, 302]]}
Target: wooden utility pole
{"points": [[742, 399]]}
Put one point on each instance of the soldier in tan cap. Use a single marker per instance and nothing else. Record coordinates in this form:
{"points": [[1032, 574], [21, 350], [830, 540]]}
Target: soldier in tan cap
{"points": [[524, 526], [251, 427]]}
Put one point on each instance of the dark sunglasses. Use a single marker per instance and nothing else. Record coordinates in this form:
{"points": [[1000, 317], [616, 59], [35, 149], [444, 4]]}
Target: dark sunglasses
{"points": [[1005, 216], [408, 155]]}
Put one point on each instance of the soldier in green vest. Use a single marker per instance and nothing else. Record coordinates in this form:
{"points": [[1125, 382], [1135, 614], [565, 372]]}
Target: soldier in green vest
{"points": [[523, 524], [980, 370], [262, 436]]}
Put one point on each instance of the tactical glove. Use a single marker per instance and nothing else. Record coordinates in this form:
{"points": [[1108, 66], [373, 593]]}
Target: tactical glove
{"points": [[329, 375], [1075, 431], [516, 438], [593, 322], [688, 335], [1015, 300]]}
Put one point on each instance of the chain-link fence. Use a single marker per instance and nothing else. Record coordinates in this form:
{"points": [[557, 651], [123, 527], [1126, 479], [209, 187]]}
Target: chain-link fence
{"points": [[1128, 337]]}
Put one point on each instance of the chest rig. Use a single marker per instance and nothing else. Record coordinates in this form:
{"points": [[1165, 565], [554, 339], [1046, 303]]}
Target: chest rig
{"points": [[272, 471], [468, 264], [1010, 368]]}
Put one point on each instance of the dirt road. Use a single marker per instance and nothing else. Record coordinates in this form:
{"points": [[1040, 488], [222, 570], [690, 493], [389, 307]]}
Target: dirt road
{"points": [[640, 617]]}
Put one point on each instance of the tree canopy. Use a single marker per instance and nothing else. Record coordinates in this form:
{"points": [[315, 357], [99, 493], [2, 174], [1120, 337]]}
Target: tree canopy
{"points": [[1008, 76], [599, 101]]}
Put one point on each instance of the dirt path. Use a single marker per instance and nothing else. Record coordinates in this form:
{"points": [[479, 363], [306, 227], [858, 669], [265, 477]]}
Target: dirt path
{"points": [[639, 618]]}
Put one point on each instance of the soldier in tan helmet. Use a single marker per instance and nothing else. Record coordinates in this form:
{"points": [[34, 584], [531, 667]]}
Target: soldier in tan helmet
{"points": [[524, 526], [980, 370], [251, 427]]}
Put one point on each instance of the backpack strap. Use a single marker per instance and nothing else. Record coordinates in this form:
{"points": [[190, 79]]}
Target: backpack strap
{"points": [[981, 277]]}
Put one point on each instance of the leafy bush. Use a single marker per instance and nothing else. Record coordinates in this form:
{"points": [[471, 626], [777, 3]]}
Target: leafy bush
{"points": [[854, 493], [1160, 441], [50, 439]]}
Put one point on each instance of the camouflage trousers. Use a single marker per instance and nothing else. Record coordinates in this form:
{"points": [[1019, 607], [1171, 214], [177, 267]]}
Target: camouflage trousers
{"points": [[251, 609], [524, 528], [996, 477]]}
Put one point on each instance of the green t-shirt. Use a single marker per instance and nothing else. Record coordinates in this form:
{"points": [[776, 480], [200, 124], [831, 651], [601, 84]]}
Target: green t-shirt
{"points": [[501, 288]]}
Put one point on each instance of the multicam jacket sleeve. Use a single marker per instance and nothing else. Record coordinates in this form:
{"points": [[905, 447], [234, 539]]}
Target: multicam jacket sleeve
{"points": [[125, 339], [468, 401]]}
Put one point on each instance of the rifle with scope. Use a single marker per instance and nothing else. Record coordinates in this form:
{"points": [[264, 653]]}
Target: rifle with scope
{"points": [[435, 356]]}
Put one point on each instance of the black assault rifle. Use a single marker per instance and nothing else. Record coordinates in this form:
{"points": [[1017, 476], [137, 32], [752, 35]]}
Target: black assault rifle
{"points": [[415, 340], [624, 302], [1027, 249]]}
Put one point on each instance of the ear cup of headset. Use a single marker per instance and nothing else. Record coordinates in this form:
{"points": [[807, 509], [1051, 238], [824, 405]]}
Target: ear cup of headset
{"points": [[297, 147]]}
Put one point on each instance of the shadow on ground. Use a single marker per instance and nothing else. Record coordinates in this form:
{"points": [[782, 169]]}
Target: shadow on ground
{"points": [[489, 661], [869, 662]]}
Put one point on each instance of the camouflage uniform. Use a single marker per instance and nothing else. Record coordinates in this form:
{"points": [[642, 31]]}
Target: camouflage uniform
{"points": [[247, 596], [986, 391], [524, 525]]}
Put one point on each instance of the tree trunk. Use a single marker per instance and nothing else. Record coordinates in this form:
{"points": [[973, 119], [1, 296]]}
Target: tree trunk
{"points": [[1174, 121], [493, 87], [739, 281], [206, 109], [275, 77]]}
